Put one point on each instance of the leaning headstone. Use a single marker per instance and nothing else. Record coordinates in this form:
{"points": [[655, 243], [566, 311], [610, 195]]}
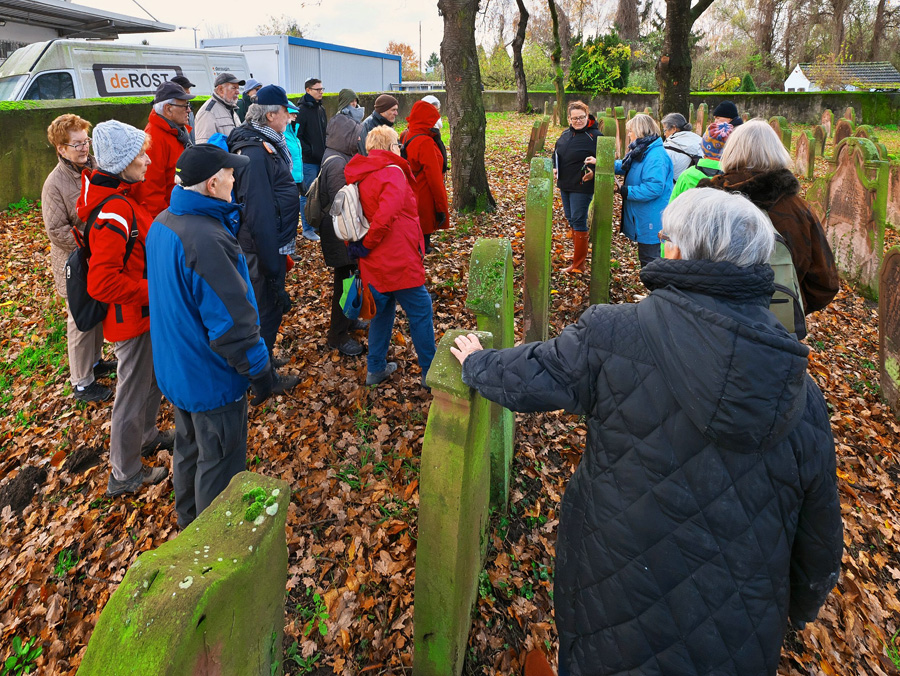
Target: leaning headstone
{"points": [[454, 488], [850, 114], [893, 203], [538, 243], [532, 141], [828, 122], [805, 155], [781, 127], [820, 136], [490, 297], [843, 129], [702, 120], [210, 601], [542, 134], [621, 136], [889, 328], [853, 211], [602, 219]]}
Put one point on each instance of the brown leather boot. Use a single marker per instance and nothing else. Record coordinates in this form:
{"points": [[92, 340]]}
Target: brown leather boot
{"points": [[580, 240]]}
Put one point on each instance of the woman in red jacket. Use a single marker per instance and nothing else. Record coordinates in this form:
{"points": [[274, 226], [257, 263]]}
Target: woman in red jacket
{"points": [[121, 281], [390, 255], [426, 163]]}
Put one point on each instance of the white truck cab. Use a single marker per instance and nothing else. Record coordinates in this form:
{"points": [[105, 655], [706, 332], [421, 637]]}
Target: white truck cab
{"points": [[78, 69]]}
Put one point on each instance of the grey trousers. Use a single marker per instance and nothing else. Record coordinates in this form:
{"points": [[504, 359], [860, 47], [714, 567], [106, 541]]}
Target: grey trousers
{"points": [[135, 408], [210, 448], [84, 351]]}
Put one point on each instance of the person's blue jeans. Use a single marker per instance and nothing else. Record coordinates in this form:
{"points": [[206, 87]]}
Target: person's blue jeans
{"points": [[575, 206], [310, 171], [416, 303]]}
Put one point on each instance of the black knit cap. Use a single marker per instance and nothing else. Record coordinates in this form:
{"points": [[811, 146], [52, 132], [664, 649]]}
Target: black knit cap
{"points": [[726, 109]]}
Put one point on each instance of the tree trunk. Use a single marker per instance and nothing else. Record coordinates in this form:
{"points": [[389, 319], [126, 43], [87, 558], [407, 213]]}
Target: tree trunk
{"points": [[627, 21], [517, 63], [839, 9], [556, 58], [765, 28], [673, 70], [465, 107], [877, 32]]}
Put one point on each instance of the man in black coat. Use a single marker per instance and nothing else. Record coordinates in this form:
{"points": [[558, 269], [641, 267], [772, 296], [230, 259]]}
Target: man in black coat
{"points": [[704, 514], [269, 194], [312, 122]]}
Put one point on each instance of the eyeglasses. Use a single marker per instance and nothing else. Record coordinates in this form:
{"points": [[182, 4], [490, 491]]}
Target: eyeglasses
{"points": [[317, 89], [663, 237], [175, 105], [396, 145], [79, 146], [580, 118]]}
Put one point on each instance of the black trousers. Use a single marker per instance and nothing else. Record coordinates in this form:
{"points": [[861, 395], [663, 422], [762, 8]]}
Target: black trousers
{"points": [[270, 309], [339, 328]]}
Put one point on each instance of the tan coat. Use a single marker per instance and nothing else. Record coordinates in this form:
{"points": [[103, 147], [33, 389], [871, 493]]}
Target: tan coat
{"points": [[58, 200], [213, 117]]}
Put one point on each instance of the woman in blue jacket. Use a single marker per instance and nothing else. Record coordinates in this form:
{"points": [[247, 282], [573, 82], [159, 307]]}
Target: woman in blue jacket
{"points": [[648, 183]]}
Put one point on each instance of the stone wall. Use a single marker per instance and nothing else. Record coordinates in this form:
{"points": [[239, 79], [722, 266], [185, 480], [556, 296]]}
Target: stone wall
{"points": [[27, 157]]}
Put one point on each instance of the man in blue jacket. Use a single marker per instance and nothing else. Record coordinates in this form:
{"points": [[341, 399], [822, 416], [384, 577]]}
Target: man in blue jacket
{"points": [[205, 327]]}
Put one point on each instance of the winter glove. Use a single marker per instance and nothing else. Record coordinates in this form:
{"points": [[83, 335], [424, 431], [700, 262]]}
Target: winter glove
{"points": [[261, 385], [283, 298], [357, 250], [623, 191], [440, 218]]}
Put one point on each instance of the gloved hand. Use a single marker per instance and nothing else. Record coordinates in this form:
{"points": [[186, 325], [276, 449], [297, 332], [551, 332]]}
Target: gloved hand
{"points": [[261, 385], [440, 218], [283, 298], [622, 190], [357, 250]]}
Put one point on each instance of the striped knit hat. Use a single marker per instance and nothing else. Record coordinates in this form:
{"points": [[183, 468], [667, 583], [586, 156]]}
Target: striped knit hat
{"points": [[714, 139]]}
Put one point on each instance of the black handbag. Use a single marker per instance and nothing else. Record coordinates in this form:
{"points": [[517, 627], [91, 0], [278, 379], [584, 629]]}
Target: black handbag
{"points": [[87, 311]]}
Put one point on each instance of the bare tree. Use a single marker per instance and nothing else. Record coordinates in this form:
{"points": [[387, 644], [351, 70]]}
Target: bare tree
{"points": [[556, 57], [517, 63], [465, 107], [627, 20], [877, 31], [673, 69]]}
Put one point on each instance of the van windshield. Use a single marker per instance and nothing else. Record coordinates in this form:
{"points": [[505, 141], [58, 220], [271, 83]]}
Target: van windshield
{"points": [[8, 86]]}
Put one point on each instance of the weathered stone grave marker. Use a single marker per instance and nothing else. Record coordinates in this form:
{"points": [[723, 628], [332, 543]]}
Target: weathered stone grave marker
{"points": [[702, 120], [621, 135], [850, 114], [889, 328], [608, 127], [693, 119], [454, 490], [805, 155], [828, 122], [490, 297], [893, 202], [542, 134], [781, 127], [631, 113], [209, 602], [820, 136], [843, 129], [538, 244], [602, 220], [532, 141]]}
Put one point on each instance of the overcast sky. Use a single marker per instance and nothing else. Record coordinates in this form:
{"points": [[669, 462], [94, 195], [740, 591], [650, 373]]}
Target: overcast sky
{"points": [[366, 24]]}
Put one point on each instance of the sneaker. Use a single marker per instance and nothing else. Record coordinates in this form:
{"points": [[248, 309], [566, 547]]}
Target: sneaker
{"points": [[284, 383], [146, 477], [311, 235], [105, 367], [360, 324], [164, 441], [349, 348], [278, 362], [381, 376], [93, 392], [429, 249]]}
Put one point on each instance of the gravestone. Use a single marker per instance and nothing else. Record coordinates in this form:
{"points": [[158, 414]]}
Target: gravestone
{"points": [[538, 244], [893, 203], [546, 108], [820, 136], [602, 219], [851, 201], [542, 134], [490, 297], [805, 155], [608, 127], [850, 114], [648, 111], [208, 602], [609, 112], [532, 141], [631, 113], [843, 129], [691, 118], [702, 120], [828, 122], [889, 328], [621, 135], [454, 490], [782, 129]]}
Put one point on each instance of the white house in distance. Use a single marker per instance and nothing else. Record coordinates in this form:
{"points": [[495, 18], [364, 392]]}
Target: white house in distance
{"points": [[862, 76]]}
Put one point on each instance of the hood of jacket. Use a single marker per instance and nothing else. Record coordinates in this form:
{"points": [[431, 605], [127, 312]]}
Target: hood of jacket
{"points": [[687, 141], [422, 118], [185, 202], [342, 134], [739, 376], [96, 186], [361, 166], [309, 101], [591, 125], [764, 189]]}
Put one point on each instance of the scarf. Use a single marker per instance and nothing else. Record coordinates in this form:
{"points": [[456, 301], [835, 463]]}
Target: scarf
{"points": [[356, 114], [636, 151], [182, 134], [278, 140]]}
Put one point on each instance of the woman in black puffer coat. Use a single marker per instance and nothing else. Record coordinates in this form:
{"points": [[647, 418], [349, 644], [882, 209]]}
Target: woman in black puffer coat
{"points": [[704, 514]]}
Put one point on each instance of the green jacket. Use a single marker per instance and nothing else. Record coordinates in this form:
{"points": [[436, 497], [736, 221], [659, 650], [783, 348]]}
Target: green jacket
{"points": [[691, 176]]}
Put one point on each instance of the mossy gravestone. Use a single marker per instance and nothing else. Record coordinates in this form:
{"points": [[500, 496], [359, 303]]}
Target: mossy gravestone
{"points": [[621, 135], [490, 297], [533, 140], [843, 129], [701, 120], [454, 492], [208, 603], [602, 220], [820, 136], [780, 125], [608, 127], [542, 134], [828, 122], [538, 242], [805, 155], [850, 114], [889, 328], [893, 203]]}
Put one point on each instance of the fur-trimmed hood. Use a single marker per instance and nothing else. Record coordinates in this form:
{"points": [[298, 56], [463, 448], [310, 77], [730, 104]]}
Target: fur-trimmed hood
{"points": [[763, 188]]}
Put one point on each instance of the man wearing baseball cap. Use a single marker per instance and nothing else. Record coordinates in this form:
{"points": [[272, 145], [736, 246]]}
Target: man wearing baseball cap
{"points": [[205, 327], [218, 115], [251, 89], [169, 134], [187, 85]]}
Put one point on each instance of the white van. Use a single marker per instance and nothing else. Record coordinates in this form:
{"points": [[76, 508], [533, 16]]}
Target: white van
{"points": [[77, 69]]}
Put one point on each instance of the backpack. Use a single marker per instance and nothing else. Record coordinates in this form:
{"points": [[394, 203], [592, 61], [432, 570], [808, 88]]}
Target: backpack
{"points": [[313, 209], [787, 301], [694, 158], [407, 142], [86, 311], [709, 171], [350, 223]]}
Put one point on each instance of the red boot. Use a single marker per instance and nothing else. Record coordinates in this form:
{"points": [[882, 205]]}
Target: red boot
{"points": [[536, 664], [580, 240]]}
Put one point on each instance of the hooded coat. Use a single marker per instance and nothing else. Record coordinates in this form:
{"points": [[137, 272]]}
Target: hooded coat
{"points": [[394, 239], [572, 146], [684, 148], [125, 289], [704, 512], [340, 145], [778, 194], [426, 163], [165, 149]]}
